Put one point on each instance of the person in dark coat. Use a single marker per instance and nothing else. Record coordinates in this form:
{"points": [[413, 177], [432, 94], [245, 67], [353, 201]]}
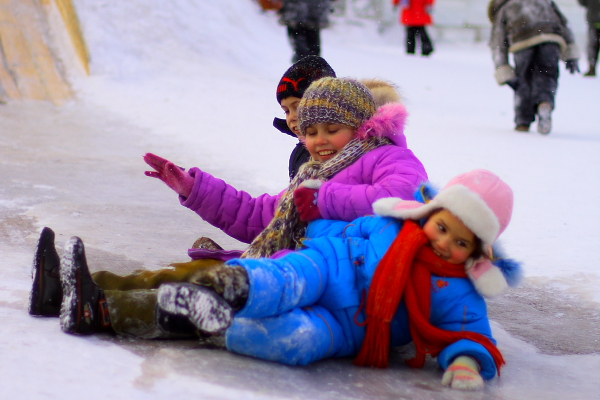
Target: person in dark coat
{"points": [[304, 20], [593, 45], [536, 32]]}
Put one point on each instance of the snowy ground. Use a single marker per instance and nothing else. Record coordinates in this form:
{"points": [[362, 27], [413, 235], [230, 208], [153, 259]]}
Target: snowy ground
{"points": [[195, 83]]}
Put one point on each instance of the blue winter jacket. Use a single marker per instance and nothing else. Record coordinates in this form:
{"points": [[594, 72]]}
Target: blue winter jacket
{"points": [[305, 306]]}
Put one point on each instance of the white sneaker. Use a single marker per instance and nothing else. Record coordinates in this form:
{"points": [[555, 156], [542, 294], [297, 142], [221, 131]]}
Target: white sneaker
{"points": [[544, 112]]}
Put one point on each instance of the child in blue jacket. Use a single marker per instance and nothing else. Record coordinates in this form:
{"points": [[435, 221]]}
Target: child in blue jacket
{"points": [[416, 272]]}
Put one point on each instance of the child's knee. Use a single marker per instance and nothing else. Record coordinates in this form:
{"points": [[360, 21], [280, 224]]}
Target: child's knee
{"points": [[299, 337]]}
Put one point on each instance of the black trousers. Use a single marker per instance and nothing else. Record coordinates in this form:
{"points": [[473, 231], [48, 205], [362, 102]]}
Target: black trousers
{"points": [[411, 40], [593, 46], [537, 70], [304, 41]]}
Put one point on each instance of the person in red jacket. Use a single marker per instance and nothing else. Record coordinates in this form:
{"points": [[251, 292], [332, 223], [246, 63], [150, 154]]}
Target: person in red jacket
{"points": [[416, 14]]}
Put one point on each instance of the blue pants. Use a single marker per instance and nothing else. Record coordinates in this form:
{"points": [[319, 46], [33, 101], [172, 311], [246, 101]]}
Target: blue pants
{"points": [[284, 319]]}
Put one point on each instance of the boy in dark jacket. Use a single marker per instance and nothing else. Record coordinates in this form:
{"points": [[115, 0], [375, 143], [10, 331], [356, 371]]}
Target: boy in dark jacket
{"points": [[536, 32], [290, 90]]}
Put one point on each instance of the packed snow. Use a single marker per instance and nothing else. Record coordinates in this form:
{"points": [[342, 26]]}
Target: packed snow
{"points": [[194, 82]]}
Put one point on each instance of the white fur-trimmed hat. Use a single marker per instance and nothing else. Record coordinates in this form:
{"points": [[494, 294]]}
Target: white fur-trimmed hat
{"points": [[484, 203]]}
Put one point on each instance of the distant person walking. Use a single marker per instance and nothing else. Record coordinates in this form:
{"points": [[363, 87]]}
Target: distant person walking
{"points": [[304, 20], [416, 14], [593, 44], [536, 32]]}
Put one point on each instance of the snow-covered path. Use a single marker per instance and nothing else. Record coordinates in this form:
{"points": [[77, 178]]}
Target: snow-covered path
{"points": [[195, 83]]}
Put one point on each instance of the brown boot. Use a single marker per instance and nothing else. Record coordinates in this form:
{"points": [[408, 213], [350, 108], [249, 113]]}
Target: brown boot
{"points": [[591, 71], [206, 243], [522, 128]]}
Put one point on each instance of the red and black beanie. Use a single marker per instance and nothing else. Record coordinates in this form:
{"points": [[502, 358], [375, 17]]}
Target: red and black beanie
{"points": [[300, 75]]}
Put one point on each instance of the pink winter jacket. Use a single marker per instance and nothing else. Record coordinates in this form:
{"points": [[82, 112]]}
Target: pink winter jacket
{"points": [[388, 171]]}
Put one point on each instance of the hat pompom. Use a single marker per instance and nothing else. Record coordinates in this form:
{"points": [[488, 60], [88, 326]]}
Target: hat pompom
{"points": [[493, 277]]}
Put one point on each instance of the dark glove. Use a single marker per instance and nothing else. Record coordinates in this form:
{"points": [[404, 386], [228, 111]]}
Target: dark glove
{"points": [[572, 66], [173, 176], [306, 198], [514, 83]]}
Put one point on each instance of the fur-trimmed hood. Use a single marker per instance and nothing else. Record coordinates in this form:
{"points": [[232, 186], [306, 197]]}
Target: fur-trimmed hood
{"points": [[388, 121], [383, 91]]}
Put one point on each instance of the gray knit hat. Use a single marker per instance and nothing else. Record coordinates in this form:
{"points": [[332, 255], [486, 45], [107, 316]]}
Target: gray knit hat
{"points": [[335, 100]]}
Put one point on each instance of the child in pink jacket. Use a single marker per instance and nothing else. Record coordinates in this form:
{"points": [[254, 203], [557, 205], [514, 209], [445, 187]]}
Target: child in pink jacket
{"points": [[359, 155], [391, 170]]}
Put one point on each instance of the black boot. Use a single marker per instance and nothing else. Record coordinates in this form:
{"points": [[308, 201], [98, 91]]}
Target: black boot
{"points": [[208, 312], [84, 309], [46, 292]]}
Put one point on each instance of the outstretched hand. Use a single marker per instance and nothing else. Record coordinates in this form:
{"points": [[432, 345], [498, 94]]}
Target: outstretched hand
{"points": [[173, 176]]}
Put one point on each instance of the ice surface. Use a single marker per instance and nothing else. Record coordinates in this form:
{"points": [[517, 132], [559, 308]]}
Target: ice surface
{"points": [[195, 82]]}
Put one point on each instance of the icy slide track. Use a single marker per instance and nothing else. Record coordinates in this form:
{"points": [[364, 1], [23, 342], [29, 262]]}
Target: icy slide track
{"points": [[193, 81]]}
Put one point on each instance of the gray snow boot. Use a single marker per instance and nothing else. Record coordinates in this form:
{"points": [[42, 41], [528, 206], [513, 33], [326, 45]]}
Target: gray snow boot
{"points": [[544, 112], [46, 293], [84, 309], [231, 283], [202, 307]]}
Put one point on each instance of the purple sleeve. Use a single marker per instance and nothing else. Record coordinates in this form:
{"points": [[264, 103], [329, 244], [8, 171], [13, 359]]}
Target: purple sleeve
{"points": [[388, 171], [235, 212]]}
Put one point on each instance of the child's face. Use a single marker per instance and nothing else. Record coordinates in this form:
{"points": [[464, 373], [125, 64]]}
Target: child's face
{"points": [[323, 141], [290, 108], [449, 237]]}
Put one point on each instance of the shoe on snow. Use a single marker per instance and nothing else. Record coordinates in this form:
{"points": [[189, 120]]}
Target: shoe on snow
{"points": [[522, 128], [84, 308], [205, 309], [46, 293], [544, 112]]}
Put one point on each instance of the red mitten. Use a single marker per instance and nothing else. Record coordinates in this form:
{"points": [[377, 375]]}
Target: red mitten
{"points": [[305, 198], [173, 176]]}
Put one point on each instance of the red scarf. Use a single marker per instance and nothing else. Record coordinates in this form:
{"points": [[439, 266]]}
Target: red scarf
{"points": [[405, 272]]}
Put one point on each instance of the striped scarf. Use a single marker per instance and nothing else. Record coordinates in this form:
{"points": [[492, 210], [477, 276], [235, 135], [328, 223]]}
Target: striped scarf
{"points": [[286, 229]]}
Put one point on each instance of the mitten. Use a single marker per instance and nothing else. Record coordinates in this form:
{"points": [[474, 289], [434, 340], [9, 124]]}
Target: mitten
{"points": [[463, 374], [305, 199], [504, 73], [173, 176], [573, 66]]}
